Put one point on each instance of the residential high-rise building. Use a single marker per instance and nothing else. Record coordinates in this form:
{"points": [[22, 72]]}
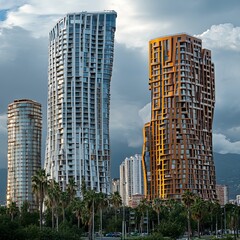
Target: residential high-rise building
{"points": [[115, 185], [131, 178], [177, 151], [81, 47], [24, 150], [222, 192], [238, 200], [135, 200]]}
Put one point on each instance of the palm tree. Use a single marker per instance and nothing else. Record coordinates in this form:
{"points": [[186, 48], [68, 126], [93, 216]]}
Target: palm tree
{"points": [[116, 202], [50, 199], [64, 202], [90, 200], [142, 208], [188, 199], [214, 208], [198, 211], [102, 203], [3, 210], [12, 209], [39, 187], [83, 187], [71, 189], [49, 204], [25, 207], [80, 210], [54, 194], [157, 207], [233, 217]]}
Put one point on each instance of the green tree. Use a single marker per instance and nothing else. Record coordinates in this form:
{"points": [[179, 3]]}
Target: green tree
{"points": [[198, 210], [12, 210], [157, 207], [50, 206], [64, 202], [90, 201], [79, 209], [3, 210], [173, 219], [214, 210], [116, 201], [71, 189], [188, 199], [233, 217], [102, 203], [53, 196], [142, 208], [39, 187], [28, 217]]}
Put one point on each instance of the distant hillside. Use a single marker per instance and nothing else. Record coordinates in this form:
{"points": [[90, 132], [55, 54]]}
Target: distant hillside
{"points": [[3, 185], [227, 171]]}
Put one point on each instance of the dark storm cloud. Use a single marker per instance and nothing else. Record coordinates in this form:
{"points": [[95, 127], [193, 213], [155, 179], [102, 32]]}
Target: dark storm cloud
{"points": [[187, 16], [23, 67], [23, 63], [119, 151], [23, 73], [129, 93], [130, 76], [227, 110]]}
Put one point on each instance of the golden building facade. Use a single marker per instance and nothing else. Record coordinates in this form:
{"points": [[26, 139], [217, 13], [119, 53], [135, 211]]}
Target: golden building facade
{"points": [[177, 149]]}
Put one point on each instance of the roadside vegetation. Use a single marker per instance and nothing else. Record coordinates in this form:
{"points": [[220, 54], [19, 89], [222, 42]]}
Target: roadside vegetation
{"points": [[62, 215]]}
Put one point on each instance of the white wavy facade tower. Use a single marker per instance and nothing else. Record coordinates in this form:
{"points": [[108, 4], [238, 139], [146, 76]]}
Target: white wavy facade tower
{"points": [[81, 48]]}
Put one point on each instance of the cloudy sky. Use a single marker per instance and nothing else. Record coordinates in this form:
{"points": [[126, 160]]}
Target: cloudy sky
{"points": [[24, 27]]}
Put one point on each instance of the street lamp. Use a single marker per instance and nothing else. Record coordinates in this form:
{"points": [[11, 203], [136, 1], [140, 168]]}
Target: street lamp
{"points": [[93, 236], [124, 220], [225, 222], [123, 224]]}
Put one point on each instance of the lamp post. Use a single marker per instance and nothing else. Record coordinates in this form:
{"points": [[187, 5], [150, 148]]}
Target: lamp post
{"points": [[124, 220], [225, 222], [147, 222], [93, 236], [123, 224]]}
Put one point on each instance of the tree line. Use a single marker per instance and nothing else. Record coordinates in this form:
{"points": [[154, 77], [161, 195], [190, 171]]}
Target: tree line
{"points": [[63, 215]]}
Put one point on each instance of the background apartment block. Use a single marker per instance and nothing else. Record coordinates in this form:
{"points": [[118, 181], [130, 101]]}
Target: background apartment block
{"points": [[24, 150], [177, 151], [81, 49], [222, 194], [131, 179], [115, 185]]}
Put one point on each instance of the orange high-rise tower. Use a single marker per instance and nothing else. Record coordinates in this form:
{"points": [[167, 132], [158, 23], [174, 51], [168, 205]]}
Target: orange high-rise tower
{"points": [[177, 150]]}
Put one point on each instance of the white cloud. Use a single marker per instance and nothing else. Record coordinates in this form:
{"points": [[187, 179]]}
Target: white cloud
{"points": [[222, 36], [125, 122], [137, 23], [3, 124], [223, 145], [234, 130], [145, 113], [134, 26], [6, 4], [39, 17]]}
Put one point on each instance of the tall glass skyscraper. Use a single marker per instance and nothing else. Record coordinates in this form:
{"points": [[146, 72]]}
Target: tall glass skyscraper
{"points": [[177, 151], [81, 47], [24, 150]]}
